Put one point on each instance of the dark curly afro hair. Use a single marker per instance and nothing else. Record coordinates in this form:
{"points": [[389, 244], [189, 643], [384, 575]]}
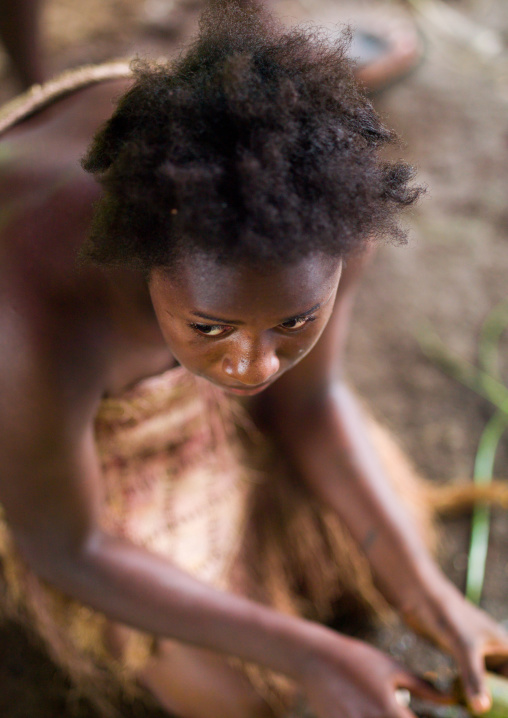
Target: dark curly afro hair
{"points": [[255, 145]]}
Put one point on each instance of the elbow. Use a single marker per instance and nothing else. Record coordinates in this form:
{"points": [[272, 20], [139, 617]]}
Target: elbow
{"points": [[57, 560]]}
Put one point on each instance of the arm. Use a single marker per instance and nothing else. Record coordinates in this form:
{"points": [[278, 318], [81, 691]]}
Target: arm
{"points": [[319, 424], [50, 487]]}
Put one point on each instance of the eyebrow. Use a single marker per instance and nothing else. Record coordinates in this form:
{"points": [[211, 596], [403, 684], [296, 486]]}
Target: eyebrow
{"points": [[236, 322]]}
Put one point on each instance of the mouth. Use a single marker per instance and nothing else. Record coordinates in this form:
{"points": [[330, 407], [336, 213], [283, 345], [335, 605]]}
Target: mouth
{"points": [[245, 391]]}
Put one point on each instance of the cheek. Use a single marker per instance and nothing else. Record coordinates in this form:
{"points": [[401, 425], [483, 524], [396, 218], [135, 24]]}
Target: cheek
{"points": [[303, 344], [293, 348], [190, 350]]}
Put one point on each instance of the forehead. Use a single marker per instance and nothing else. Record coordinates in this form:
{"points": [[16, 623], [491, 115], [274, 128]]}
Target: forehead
{"points": [[200, 282]]}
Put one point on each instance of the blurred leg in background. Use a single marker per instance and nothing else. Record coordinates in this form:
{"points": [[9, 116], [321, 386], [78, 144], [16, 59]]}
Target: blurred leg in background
{"points": [[21, 37]]}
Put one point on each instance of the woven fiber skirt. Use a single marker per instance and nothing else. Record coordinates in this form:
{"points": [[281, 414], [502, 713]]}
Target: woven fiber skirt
{"points": [[188, 477]]}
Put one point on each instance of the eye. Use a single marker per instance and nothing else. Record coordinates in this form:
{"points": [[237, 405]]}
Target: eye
{"points": [[296, 323], [210, 330]]}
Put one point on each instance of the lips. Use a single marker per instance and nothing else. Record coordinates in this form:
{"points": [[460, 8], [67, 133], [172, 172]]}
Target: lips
{"points": [[243, 390]]}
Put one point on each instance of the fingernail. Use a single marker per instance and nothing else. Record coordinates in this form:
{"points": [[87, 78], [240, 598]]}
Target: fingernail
{"points": [[403, 697], [481, 703]]}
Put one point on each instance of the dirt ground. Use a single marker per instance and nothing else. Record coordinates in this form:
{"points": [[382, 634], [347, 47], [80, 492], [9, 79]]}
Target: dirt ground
{"points": [[452, 115]]}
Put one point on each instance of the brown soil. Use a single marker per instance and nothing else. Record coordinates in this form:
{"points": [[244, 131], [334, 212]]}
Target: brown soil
{"points": [[451, 114]]}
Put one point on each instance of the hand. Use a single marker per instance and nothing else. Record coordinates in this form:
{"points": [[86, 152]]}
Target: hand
{"points": [[355, 680], [467, 633]]}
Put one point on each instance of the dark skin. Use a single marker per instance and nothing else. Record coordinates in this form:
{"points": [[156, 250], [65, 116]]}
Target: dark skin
{"points": [[20, 34], [71, 336]]}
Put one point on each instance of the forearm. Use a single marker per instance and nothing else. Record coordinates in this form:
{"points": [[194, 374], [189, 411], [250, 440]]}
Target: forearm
{"points": [[328, 442], [135, 587]]}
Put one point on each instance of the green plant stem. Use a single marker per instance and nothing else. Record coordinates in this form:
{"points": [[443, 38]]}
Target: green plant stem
{"points": [[484, 381], [488, 352], [480, 526]]}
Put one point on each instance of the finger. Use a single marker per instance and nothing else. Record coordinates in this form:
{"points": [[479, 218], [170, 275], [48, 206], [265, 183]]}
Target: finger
{"points": [[422, 688], [497, 647], [403, 712], [495, 652], [497, 641], [398, 704], [471, 665], [403, 697]]}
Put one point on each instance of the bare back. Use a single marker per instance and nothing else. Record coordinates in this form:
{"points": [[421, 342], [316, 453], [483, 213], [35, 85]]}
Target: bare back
{"points": [[97, 326]]}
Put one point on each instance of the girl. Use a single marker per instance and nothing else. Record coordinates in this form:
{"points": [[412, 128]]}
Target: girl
{"points": [[239, 191]]}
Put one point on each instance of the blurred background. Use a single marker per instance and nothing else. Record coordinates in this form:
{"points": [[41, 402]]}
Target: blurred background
{"points": [[451, 111]]}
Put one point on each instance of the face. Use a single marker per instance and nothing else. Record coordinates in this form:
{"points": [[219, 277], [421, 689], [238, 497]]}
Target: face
{"points": [[239, 327]]}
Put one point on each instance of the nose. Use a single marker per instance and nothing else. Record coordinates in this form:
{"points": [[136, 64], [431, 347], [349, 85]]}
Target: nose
{"points": [[251, 366]]}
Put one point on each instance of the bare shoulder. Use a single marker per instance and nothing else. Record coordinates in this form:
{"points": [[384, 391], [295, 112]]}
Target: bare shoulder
{"points": [[46, 199]]}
